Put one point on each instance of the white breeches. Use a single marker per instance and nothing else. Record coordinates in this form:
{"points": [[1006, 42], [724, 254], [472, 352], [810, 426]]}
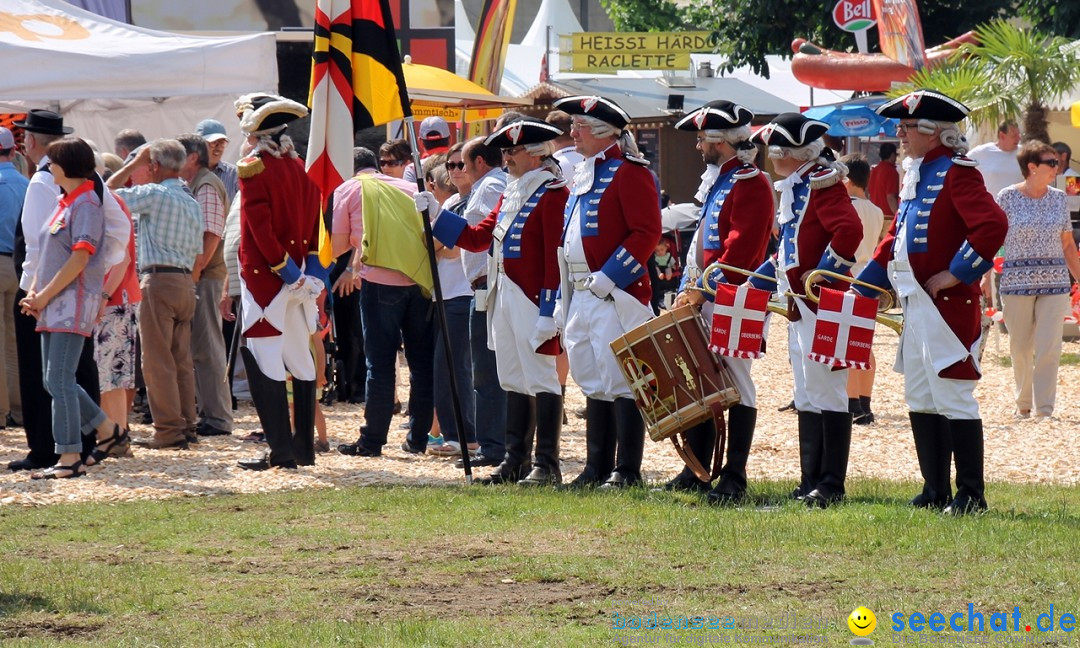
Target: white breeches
{"points": [[513, 320], [591, 326], [817, 387]]}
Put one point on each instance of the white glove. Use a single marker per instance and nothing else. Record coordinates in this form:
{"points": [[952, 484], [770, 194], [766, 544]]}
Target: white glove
{"points": [[559, 315], [600, 284], [546, 328], [426, 203]]}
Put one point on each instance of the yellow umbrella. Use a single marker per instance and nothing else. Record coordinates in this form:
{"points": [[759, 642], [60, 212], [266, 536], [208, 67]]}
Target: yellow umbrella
{"points": [[437, 92], [1074, 114]]}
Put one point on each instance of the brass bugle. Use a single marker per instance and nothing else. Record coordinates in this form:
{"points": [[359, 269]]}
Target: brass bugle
{"points": [[894, 321], [773, 307]]}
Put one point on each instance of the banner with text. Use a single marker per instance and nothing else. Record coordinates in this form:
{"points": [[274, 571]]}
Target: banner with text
{"points": [[610, 51]]}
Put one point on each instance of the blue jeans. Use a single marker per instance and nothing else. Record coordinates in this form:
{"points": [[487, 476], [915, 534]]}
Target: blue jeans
{"points": [[457, 323], [490, 397], [73, 411], [390, 314]]}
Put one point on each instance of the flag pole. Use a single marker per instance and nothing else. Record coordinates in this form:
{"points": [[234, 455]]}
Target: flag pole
{"points": [[440, 309]]}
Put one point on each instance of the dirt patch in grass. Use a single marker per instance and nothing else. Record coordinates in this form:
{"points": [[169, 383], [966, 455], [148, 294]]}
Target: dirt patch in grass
{"points": [[58, 629]]}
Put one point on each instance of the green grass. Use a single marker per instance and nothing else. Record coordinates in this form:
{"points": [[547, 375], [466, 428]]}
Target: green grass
{"points": [[511, 567], [1067, 360]]}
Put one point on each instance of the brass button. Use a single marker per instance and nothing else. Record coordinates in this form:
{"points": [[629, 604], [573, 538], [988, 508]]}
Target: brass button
{"points": [[968, 301], [292, 242], [256, 271], [945, 298]]}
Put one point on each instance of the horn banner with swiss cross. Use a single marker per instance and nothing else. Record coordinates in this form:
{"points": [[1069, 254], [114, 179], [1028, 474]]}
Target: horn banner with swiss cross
{"points": [[738, 324], [844, 330]]}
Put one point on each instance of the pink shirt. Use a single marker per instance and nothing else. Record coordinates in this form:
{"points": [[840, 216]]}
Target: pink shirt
{"points": [[349, 219]]}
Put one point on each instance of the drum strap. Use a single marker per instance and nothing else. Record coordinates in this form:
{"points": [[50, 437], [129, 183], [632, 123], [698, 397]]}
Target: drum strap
{"points": [[690, 459]]}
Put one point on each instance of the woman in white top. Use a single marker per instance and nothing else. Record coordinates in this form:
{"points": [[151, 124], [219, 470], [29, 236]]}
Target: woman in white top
{"points": [[457, 295]]}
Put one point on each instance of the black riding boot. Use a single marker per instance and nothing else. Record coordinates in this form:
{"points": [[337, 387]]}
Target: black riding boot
{"points": [[519, 433], [809, 453], [933, 447], [700, 440], [630, 436], [272, 405], [599, 443], [732, 485], [835, 449], [967, 439], [303, 440], [549, 413]]}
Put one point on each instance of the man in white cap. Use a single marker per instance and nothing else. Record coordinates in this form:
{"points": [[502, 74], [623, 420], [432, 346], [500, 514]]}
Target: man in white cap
{"points": [[217, 139], [943, 241], [523, 273], [612, 227]]}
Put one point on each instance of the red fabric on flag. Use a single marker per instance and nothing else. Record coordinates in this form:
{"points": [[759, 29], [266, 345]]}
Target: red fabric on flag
{"points": [[738, 324], [844, 330]]}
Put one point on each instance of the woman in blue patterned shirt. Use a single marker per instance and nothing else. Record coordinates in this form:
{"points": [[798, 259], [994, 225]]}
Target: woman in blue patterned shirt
{"points": [[1039, 257]]}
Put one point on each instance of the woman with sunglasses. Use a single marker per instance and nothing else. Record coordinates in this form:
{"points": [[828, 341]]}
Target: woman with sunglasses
{"points": [[394, 158], [1039, 257]]}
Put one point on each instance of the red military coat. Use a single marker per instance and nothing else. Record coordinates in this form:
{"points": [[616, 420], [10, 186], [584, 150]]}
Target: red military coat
{"points": [[536, 270], [279, 219], [829, 224], [963, 212], [744, 222], [628, 217]]}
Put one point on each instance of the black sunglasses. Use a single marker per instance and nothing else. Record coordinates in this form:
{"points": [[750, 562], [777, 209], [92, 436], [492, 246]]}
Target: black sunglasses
{"points": [[450, 166], [393, 163], [1052, 162]]}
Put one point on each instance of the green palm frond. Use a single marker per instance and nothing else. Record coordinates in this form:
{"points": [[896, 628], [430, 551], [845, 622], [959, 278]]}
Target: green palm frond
{"points": [[968, 83]]}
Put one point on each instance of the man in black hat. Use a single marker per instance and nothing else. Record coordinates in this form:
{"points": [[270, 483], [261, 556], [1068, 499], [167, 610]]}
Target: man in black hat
{"points": [[612, 227], [281, 277], [523, 274], [942, 242], [819, 229], [736, 220]]}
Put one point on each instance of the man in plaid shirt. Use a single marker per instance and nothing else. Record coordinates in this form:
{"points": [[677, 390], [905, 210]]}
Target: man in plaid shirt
{"points": [[170, 227]]}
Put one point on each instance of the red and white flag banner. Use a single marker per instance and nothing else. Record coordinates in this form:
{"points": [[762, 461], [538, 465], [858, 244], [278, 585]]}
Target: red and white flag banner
{"points": [[738, 324], [844, 330]]}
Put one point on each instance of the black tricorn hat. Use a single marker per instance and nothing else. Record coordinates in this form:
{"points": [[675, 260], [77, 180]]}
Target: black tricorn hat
{"points": [[46, 122], [925, 104], [523, 131], [791, 130], [716, 115], [260, 112], [603, 109]]}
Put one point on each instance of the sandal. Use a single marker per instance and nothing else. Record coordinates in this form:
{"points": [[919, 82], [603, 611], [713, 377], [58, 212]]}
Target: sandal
{"points": [[52, 472], [102, 450], [322, 446]]}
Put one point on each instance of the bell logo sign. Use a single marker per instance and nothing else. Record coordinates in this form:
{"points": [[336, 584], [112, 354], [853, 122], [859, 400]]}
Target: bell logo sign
{"points": [[854, 15]]}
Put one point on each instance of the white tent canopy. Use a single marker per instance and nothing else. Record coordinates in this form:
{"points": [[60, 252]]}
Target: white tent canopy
{"points": [[556, 14], [105, 75]]}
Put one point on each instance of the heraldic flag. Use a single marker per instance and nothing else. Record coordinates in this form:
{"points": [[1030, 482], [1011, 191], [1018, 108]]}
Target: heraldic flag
{"points": [[356, 83], [738, 324], [844, 330]]}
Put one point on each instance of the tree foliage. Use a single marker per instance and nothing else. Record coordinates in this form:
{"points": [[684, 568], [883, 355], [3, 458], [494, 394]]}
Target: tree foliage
{"points": [[749, 30], [1010, 72], [1053, 16]]}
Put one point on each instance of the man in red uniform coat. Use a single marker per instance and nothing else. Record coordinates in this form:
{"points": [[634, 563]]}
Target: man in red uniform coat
{"points": [[818, 229], [280, 278], [736, 219], [612, 227], [942, 242], [523, 235]]}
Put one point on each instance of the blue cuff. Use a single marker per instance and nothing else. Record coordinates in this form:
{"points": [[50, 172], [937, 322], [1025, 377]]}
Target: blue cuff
{"points": [[448, 228], [313, 267], [769, 270], [874, 274], [623, 268], [834, 262], [290, 274], [547, 302], [718, 277], [968, 266]]}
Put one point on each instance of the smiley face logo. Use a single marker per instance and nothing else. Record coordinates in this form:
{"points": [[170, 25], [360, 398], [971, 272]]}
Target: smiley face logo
{"points": [[862, 621]]}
